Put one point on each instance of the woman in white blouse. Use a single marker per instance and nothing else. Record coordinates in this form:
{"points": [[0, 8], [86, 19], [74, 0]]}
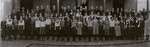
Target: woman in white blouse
{"points": [[42, 26]]}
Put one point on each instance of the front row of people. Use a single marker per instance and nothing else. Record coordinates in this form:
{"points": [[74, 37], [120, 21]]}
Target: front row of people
{"points": [[107, 26]]}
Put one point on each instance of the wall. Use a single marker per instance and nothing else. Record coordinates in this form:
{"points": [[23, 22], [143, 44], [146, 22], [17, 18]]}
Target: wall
{"points": [[109, 3], [94, 3], [131, 4]]}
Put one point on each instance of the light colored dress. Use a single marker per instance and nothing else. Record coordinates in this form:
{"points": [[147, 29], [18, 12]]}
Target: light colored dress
{"points": [[95, 27], [117, 29], [106, 27], [79, 28]]}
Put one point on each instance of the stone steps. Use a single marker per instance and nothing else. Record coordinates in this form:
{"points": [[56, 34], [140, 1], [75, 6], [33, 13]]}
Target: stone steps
{"points": [[66, 38]]}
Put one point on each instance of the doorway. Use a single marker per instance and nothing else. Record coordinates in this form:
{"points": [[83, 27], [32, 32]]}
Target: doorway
{"points": [[118, 4], [28, 4]]}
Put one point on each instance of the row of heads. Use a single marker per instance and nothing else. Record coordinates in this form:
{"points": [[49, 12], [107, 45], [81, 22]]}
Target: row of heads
{"points": [[53, 7]]}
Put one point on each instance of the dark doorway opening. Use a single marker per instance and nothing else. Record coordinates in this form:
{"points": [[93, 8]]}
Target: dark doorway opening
{"points": [[118, 3], [28, 4]]}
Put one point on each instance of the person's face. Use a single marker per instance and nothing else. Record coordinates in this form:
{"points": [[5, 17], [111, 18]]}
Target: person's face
{"points": [[37, 7], [29, 14], [47, 6], [15, 17], [117, 9], [120, 14], [21, 18], [144, 9], [41, 14], [107, 10], [109, 13], [85, 14], [114, 15], [54, 7], [121, 9], [103, 14], [51, 15], [60, 14], [22, 8], [116, 19], [101, 8], [96, 7], [68, 7], [66, 14], [92, 8], [92, 13], [27, 11], [41, 7], [112, 9], [98, 13], [78, 10], [18, 10], [129, 9]]}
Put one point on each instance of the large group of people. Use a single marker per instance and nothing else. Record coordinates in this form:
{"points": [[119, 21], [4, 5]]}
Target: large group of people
{"points": [[113, 23]]}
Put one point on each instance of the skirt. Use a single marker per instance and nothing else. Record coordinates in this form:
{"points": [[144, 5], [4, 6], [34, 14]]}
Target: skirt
{"points": [[118, 31]]}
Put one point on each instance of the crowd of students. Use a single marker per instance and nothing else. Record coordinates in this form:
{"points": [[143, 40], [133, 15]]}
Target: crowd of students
{"points": [[109, 24]]}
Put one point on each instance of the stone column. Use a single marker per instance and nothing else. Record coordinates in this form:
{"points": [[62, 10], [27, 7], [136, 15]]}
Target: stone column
{"points": [[7, 8], [104, 5], [147, 22], [58, 6]]}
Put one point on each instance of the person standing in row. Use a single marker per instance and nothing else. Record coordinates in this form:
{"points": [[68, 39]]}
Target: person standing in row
{"points": [[48, 25], [106, 27], [42, 28], [79, 27], [106, 24], [62, 23], [15, 21], [67, 24], [21, 26], [9, 26], [101, 23], [74, 24], [37, 28], [112, 27], [57, 25], [95, 26], [117, 28], [85, 23]]}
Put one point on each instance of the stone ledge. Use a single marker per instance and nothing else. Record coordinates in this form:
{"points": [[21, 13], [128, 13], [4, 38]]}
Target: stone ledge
{"points": [[103, 43]]}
